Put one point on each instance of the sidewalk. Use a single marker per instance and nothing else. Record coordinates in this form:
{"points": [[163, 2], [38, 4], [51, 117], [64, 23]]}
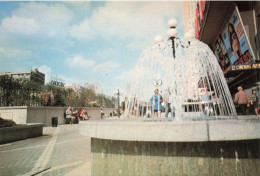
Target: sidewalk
{"points": [[84, 170], [61, 150]]}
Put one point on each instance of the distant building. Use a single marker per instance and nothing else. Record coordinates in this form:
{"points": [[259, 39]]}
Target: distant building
{"points": [[33, 75], [189, 10], [57, 82]]}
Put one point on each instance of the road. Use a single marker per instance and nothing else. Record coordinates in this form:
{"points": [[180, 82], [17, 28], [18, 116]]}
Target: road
{"points": [[61, 150]]}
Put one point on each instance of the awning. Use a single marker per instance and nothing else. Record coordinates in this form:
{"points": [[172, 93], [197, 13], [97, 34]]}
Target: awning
{"points": [[214, 17]]}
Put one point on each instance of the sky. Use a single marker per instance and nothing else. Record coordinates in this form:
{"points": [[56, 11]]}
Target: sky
{"points": [[82, 42]]}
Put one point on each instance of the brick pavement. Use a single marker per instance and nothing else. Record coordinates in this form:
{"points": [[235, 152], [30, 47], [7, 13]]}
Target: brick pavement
{"points": [[61, 151]]}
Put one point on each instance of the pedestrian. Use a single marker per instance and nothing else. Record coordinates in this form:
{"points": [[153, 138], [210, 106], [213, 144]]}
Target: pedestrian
{"points": [[102, 113], [254, 100], [156, 101], [74, 115], [242, 99], [167, 99], [135, 109], [69, 115], [83, 114], [125, 105]]}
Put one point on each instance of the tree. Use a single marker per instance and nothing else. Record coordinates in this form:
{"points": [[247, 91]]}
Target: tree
{"points": [[25, 92], [59, 94], [7, 90], [86, 95]]}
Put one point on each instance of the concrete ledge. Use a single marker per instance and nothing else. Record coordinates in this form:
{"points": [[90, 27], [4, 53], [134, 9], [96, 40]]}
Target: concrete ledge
{"points": [[234, 130], [185, 131], [146, 131], [16, 133], [44, 114]]}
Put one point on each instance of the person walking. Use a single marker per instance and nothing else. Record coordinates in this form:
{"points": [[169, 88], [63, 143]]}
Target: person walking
{"points": [[242, 99], [156, 101], [69, 117], [168, 100], [254, 100], [125, 105]]}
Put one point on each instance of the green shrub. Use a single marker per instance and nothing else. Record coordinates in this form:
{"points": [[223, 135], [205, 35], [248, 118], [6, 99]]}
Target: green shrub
{"points": [[6, 123]]}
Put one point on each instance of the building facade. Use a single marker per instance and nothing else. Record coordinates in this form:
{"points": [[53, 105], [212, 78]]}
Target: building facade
{"points": [[189, 10], [231, 30], [33, 75]]}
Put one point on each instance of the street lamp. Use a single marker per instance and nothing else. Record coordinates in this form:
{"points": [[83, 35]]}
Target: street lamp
{"points": [[118, 93], [172, 32], [158, 39], [188, 35]]}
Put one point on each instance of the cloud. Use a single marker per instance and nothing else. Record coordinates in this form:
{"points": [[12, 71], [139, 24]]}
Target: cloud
{"points": [[37, 18], [80, 7], [69, 80], [106, 67], [46, 70], [19, 25], [137, 44], [127, 76], [124, 20], [13, 53], [107, 53], [83, 31], [79, 61]]}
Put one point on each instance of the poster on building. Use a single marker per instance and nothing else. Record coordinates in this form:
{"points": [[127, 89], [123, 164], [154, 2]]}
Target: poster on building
{"points": [[232, 46], [221, 54]]}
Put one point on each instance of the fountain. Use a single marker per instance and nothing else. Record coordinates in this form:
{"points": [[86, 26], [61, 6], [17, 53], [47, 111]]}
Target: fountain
{"points": [[198, 86], [206, 137]]}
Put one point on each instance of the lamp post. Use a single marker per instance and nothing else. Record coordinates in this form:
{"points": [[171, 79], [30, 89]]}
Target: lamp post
{"points": [[117, 93], [158, 39], [172, 32]]}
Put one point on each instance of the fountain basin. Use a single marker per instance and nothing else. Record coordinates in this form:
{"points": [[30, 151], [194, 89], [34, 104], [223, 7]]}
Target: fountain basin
{"points": [[183, 148], [175, 131]]}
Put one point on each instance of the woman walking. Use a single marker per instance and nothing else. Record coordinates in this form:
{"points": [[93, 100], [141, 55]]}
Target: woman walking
{"points": [[254, 101]]}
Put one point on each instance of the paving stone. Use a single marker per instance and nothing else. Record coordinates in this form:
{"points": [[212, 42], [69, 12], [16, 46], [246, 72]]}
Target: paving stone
{"points": [[70, 151]]}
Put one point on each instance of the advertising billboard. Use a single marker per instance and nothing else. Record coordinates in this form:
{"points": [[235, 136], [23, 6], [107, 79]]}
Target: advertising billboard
{"points": [[221, 54], [232, 46]]}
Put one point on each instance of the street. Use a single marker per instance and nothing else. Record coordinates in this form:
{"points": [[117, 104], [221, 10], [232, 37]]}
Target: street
{"points": [[60, 151]]}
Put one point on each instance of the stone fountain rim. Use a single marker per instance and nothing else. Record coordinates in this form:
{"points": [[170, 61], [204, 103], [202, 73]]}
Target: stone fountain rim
{"points": [[247, 128]]}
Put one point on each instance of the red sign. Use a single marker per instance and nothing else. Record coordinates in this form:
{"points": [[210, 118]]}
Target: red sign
{"points": [[197, 24], [199, 17], [202, 5]]}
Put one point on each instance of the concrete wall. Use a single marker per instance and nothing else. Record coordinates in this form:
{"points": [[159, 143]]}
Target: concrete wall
{"points": [[44, 114], [107, 111], [17, 114], [176, 131], [177, 148], [11, 134], [131, 158], [94, 113]]}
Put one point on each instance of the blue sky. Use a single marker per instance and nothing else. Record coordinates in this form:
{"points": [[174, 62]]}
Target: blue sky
{"points": [[82, 42]]}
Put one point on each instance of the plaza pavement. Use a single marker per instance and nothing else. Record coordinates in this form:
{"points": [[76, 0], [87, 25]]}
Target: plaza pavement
{"points": [[61, 150]]}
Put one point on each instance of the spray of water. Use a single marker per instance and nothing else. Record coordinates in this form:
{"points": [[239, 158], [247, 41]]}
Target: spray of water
{"points": [[196, 82]]}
